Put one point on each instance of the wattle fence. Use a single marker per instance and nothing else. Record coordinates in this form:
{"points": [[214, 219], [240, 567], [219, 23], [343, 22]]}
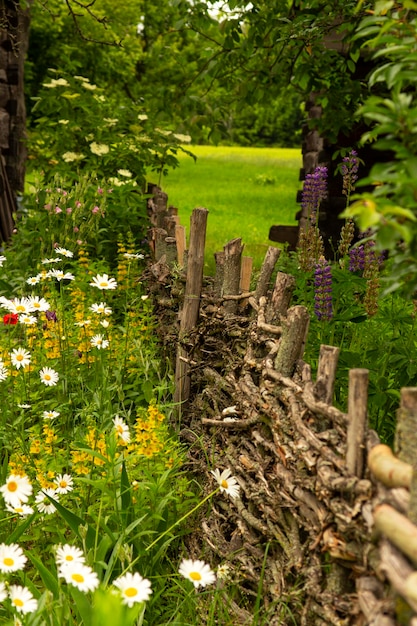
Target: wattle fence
{"points": [[325, 528]]}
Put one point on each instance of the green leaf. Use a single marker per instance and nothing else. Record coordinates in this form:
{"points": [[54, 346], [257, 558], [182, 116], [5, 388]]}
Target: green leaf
{"points": [[49, 580], [74, 522], [83, 605], [147, 390], [19, 530], [125, 496]]}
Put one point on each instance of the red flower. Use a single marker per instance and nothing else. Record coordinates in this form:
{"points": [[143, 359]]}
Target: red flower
{"points": [[10, 318]]}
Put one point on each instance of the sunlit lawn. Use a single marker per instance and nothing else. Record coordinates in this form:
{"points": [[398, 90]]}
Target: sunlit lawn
{"points": [[246, 191]]}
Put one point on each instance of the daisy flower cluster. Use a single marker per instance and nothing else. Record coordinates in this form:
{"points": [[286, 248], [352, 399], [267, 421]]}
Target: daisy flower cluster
{"points": [[12, 559], [18, 490], [70, 560], [75, 339]]}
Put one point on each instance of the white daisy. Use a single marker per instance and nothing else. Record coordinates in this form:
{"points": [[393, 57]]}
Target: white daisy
{"points": [[64, 252], [79, 575], [4, 372], [20, 357], [48, 376], [223, 571], [43, 504], [56, 259], [198, 572], [133, 588], [2, 260], [22, 599], [16, 490], [3, 591], [101, 308], [22, 509], [34, 280], [226, 482], [103, 282], [28, 320], [38, 304], [69, 554], [61, 275], [105, 323], [99, 342], [5, 302], [20, 305], [64, 483], [122, 429], [12, 558], [50, 415]]}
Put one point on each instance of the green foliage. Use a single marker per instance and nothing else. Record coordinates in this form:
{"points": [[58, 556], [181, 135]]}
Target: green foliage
{"points": [[77, 128], [391, 209], [170, 58], [97, 433], [258, 51], [392, 361], [76, 125]]}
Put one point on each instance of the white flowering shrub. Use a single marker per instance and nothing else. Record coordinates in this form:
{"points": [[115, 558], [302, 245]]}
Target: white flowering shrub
{"points": [[77, 126]]}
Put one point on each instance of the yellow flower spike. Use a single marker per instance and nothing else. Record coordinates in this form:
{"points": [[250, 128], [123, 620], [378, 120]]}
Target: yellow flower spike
{"points": [[35, 447]]}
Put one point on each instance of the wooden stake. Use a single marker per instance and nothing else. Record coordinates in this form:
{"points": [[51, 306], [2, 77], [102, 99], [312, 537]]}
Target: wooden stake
{"points": [[158, 238], [189, 314], [323, 389], [326, 373], [406, 441], [268, 265], [406, 432], [170, 250], [231, 280], [245, 278], [357, 416], [281, 297], [291, 346], [219, 276], [181, 243]]}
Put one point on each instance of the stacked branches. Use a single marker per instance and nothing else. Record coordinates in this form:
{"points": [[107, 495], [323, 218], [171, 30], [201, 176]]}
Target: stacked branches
{"points": [[300, 535]]}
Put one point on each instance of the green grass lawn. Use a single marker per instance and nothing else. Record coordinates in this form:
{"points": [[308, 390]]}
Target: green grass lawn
{"points": [[246, 191]]}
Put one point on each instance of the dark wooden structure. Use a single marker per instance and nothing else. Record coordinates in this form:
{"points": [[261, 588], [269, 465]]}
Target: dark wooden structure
{"points": [[318, 150], [14, 28]]}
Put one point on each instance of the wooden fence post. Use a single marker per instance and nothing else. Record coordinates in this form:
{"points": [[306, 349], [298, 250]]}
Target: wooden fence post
{"points": [[181, 243], [406, 441], [268, 265], [326, 373], [291, 346], [193, 286], [325, 380], [281, 297], [357, 415], [231, 280]]}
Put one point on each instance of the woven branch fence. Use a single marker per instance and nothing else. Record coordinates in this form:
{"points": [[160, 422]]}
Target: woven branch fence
{"points": [[326, 520]]}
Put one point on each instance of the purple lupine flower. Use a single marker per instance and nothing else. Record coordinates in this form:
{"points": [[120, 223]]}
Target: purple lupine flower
{"points": [[349, 169], [314, 191], [323, 305], [357, 259]]}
